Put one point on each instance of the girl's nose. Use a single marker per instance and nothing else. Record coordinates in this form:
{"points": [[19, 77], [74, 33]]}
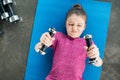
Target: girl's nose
{"points": [[74, 29]]}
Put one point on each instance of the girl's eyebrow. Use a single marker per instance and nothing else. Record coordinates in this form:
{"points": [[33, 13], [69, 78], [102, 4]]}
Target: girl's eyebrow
{"points": [[70, 22], [80, 23]]}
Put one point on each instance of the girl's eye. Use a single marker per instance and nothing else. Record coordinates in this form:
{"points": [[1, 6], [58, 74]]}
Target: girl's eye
{"points": [[71, 24], [79, 25]]}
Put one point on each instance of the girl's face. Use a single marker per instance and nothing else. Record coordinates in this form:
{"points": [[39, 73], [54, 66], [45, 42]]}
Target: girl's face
{"points": [[75, 25]]}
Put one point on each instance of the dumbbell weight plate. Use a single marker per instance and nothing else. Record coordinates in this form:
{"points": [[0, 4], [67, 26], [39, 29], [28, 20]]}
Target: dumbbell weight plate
{"points": [[14, 18], [5, 15], [5, 2]]}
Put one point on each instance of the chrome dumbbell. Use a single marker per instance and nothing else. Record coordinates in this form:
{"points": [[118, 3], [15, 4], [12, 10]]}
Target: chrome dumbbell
{"points": [[3, 13], [88, 39], [12, 16], [52, 31]]}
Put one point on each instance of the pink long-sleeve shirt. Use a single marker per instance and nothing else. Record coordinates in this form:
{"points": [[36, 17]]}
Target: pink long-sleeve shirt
{"points": [[69, 58]]}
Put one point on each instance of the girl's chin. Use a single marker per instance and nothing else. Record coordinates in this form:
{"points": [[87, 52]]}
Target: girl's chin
{"points": [[73, 36]]}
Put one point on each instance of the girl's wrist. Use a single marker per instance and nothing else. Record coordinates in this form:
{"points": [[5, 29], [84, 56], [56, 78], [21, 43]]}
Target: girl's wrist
{"points": [[98, 62]]}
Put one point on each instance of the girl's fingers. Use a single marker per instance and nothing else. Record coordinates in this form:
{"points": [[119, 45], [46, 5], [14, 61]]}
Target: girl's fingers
{"points": [[92, 47], [45, 38], [93, 53], [90, 53], [47, 35], [46, 42], [93, 56]]}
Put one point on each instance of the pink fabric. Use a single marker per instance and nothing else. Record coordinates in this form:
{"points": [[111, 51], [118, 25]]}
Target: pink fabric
{"points": [[69, 58]]}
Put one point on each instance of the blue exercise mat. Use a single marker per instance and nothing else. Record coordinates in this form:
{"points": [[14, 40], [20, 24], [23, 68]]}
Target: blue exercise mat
{"points": [[51, 13]]}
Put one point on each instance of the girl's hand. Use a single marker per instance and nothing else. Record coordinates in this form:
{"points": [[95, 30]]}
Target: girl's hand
{"points": [[93, 52], [46, 39]]}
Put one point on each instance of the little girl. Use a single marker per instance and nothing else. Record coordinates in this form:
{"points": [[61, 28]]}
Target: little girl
{"points": [[70, 51]]}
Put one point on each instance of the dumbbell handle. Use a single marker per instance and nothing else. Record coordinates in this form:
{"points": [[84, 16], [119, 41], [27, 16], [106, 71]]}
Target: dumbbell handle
{"points": [[43, 48], [89, 42], [2, 8], [10, 9]]}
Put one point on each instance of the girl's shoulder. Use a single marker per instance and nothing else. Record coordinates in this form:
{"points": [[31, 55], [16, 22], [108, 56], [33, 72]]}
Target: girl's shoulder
{"points": [[82, 40], [59, 35]]}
